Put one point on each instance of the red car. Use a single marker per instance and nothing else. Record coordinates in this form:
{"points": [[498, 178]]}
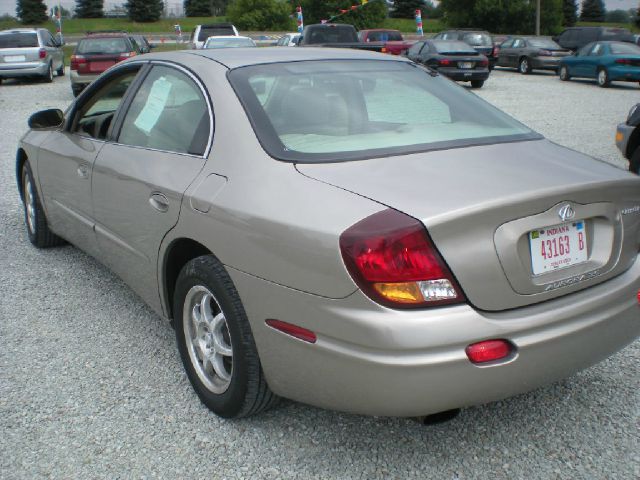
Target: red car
{"points": [[392, 39], [97, 52]]}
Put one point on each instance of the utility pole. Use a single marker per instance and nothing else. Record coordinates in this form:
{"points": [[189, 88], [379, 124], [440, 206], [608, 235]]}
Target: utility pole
{"points": [[537, 17]]}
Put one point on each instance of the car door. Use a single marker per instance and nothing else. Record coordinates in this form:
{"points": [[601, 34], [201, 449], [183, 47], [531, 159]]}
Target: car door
{"points": [[66, 159], [160, 145], [504, 53], [578, 62], [54, 52], [592, 60], [516, 52]]}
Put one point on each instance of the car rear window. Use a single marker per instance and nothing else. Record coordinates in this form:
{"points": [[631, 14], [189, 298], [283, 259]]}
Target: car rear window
{"points": [[624, 49], [231, 42], [336, 110], [18, 40], [477, 39], [114, 45], [453, 47], [544, 43], [206, 32], [384, 37]]}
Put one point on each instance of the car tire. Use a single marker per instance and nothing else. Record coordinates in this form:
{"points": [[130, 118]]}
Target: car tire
{"points": [[34, 217], [634, 164], [603, 78], [215, 341], [524, 65], [564, 74], [60, 71], [48, 77], [477, 83]]}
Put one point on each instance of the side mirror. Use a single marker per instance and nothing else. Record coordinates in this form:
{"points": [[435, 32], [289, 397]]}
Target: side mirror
{"points": [[46, 118]]}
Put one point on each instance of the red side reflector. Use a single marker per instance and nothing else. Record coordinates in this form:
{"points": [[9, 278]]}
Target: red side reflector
{"points": [[638, 296], [488, 351], [293, 330]]}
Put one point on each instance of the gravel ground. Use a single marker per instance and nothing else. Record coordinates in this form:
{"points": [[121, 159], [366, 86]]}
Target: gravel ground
{"points": [[91, 385]]}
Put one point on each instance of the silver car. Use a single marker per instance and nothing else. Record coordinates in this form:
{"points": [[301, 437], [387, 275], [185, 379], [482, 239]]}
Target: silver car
{"points": [[30, 52], [342, 228]]}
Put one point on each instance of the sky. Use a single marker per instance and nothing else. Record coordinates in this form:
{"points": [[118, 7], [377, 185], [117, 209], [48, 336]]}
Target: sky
{"points": [[9, 6]]}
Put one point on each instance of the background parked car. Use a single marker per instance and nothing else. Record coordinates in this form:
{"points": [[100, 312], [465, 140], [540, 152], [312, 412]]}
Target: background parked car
{"points": [[628, 138], [392, 40], [575, 38], [530, 53], [143, 44], [229, 42], [288, 40], [457, 60], [200, 33], [97, 52], [480, 40], [30, 52], [604, 61]]}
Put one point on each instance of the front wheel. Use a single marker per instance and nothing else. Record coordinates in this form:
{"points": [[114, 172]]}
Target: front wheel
{"points": [[564, 74], [215, 341], [524, 66], [477, 83], [34, 217], [603, 78]]}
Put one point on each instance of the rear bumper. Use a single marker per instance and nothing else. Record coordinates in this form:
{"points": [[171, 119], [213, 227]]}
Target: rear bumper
{"points": [[81, 80], [461, 75], [376, 361], [32, 69], [624, 73], [546, 63]]}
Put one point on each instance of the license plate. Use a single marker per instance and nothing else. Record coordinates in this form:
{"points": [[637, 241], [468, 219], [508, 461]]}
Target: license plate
{"points": [[100, 66], [465, 64], [14, 58], [558, 246]]}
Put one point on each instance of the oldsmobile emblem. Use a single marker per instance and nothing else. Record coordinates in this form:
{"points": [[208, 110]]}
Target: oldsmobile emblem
{"points": [[566, 212]]}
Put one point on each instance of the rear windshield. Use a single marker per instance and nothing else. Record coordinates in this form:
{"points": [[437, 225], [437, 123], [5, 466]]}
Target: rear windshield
{"points": [[232, 42], [615, 32], [206, 32], [624, 49], [544, 43], [103, 45], [336, 110], [18, 40], [384, 37], [477, 39], [453, 47]]}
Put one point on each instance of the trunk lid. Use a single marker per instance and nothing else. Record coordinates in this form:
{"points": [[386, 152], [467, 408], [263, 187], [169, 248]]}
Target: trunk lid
{"points": [[480, 204]]}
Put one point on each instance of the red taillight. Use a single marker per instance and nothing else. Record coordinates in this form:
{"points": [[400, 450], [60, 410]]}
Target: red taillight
{"points": [[125, 55], [495, 51], [293, 330], [483, 63], [624, 61], [444, 62], [489, 351], [391, 258], [42, 53], [76, 60]]}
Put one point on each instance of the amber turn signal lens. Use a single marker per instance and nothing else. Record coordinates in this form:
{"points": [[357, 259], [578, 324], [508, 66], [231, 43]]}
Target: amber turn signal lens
{"points": [[619, 137], [406, 292]]}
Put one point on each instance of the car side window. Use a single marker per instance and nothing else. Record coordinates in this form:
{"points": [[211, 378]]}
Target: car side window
{"points": [[596, 50], [415, 48], [169, 112], [94, 115], [48, 39], [507, 44], [518, 43]]}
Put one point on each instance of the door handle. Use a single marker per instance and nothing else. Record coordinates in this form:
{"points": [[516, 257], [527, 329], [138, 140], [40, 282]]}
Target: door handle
{"points": [[159, 201], [83, 170]]}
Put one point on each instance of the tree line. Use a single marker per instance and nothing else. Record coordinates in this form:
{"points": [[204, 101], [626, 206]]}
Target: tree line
{"points": [[512, 16]]}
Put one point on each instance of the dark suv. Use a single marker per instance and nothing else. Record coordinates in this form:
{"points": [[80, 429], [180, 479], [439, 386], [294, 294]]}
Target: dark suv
{"points": [[480, 40], [575, 38], [95, 53]]}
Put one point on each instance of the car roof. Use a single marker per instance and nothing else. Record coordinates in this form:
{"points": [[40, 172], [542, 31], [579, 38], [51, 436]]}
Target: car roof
{"points": [[22, 30], [242, 57], [228, 36]]}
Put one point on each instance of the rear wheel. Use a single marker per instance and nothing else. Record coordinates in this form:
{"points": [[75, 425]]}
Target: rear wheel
{"points": [[524, 66], [564, 74], [477, 83], [215, 341], [48, 77], [34, 217], [603, 78]]}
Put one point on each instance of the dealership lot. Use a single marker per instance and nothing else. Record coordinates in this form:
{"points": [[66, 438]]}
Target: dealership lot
{"points": [[91, 384]]}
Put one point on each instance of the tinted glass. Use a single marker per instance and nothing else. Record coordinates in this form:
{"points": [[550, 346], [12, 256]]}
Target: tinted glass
{"points": [[507, 44], [544, 43], [452, 47], [624, 49], [319, 111], [415, 48], [384, 37], [114, 46], [206, 32], [168, 113], [18, 40], [233, 42], [477, 39]]}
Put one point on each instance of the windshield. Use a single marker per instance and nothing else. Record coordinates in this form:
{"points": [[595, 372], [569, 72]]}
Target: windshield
{"points": [[624, 49], [18, 40], [544, 43], [206, 32], [453, 47], [232, 42], [334, 110], [102, 46]]}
